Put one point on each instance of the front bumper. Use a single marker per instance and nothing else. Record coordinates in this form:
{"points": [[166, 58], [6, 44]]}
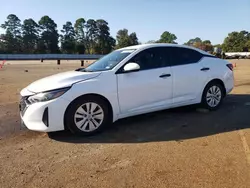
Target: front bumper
{"points": [[44, 116], [22, 125]]}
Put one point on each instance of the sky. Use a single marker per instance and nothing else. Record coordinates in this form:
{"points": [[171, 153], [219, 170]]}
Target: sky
{"points": [[208, 19]]}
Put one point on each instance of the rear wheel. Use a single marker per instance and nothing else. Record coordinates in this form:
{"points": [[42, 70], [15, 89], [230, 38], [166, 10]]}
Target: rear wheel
{"points": [[87, 115], [212, 96]]}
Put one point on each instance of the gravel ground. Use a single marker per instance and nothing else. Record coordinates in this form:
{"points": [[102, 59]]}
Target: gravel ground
{"points": [[183, 147]]}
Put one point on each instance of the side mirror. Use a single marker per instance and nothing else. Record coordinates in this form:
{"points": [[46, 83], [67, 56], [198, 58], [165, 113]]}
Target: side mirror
{"points": [[131, 67]]}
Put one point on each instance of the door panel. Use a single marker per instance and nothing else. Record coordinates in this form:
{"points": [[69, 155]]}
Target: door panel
{"points": [[150, 87], [144, 90], [188, 81], [188, 78]]}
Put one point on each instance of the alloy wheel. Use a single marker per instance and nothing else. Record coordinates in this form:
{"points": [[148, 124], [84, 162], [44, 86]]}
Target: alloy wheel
{"points": [[89, 116], [213, 96]]}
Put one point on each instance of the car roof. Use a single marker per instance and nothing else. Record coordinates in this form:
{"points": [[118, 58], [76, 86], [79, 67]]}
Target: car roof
{"points": [[145, 46]]}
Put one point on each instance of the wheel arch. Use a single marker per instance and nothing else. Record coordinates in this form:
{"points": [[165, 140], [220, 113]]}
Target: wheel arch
{"points": [[90, 95], [215, 80]]}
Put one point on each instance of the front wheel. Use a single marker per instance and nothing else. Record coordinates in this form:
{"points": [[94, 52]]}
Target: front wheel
{"points": [[87, 116], [212, 96]]}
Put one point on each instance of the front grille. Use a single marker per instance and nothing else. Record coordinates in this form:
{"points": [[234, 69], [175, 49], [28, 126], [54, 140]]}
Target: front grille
{"points": [[23, 105]]}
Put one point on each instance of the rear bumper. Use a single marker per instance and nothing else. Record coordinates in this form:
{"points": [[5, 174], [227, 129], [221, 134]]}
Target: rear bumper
{"points": [[229, 83], [228, 90]]}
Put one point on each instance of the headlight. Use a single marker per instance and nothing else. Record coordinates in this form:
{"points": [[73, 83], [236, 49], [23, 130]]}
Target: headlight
{"points": [[46, 96]]}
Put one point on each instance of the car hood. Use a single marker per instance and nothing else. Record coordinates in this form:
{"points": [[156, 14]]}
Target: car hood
{"points": [[60, 80]]}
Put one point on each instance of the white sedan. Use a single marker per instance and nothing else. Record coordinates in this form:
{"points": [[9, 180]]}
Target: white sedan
{"points": [[127, 82]]}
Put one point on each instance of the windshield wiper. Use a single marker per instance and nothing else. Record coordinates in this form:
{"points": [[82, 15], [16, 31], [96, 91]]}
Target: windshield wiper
{"points": [[79, 69], [83, 70]]}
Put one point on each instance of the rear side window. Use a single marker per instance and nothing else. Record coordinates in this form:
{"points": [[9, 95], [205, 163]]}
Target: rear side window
{"points": [[183, 56], [152, 58]]}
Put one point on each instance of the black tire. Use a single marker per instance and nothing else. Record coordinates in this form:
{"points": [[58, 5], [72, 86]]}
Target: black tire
{"points": [[69, 117], [205, 103]]}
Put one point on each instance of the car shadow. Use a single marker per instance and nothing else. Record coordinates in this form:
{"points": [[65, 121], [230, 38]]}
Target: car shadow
{"points": [[174, 124]]}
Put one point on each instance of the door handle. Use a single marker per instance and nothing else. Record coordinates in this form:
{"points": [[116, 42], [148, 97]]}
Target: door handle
{"points": [[165, 75], [205, 69]]}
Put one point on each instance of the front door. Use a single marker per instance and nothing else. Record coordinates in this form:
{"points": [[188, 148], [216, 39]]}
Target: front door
{"points": [[149, 88]]}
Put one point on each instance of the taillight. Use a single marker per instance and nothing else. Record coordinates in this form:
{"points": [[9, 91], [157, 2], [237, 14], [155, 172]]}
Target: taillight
{"points": [[230, 66]]}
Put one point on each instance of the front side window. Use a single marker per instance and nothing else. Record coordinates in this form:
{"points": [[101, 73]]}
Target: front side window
{"points": [[183, 56], [151, 58], [108, 62]]}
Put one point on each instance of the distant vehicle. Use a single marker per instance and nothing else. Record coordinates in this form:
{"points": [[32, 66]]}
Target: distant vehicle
{"points": [[237, 55], [127, 82]]}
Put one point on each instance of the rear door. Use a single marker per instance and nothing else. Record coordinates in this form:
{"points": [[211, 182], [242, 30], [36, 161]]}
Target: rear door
{"points": [[188, 75]]}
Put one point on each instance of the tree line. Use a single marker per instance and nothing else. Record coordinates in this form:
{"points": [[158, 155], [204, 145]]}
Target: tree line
{"points": [[90, 37]]}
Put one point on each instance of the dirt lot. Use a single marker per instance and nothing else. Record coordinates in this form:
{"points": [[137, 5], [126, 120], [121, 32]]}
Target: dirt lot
{"points": [[182, 147]]}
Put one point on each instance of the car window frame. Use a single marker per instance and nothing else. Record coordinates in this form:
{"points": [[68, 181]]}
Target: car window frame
{"points": [[120, 70], [179, 47]]}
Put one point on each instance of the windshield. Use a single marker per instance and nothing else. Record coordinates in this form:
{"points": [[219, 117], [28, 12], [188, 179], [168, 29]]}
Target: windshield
{"points": [[108, 62]]}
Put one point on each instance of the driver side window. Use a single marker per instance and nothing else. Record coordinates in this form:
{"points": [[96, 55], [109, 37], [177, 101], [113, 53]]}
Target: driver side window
{"points": [[151, 58]]}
